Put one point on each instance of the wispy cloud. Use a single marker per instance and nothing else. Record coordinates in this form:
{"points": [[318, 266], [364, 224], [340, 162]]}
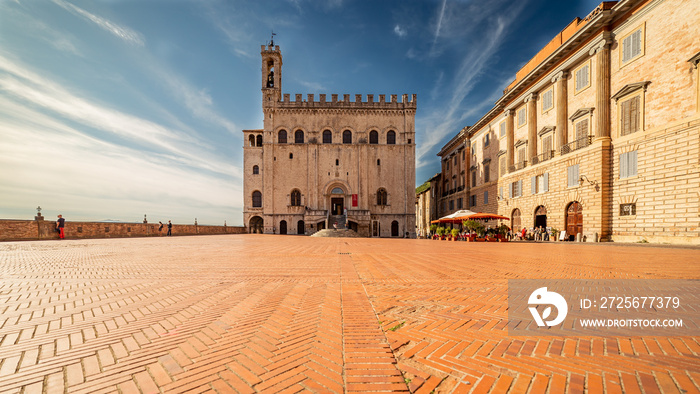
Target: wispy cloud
{"points": [[438, 25], [399, 31], [121, 32], [312, 86]]}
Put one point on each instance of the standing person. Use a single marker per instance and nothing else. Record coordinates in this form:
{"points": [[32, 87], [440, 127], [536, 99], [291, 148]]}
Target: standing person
{"points": [[522, 236], [170, 228], [160, 228], [60, 224]]}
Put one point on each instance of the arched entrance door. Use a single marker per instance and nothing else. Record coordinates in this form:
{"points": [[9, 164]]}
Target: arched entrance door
{"points": [[394, 228], [541, 217], [300, 227], [574, 220], [515, 220], [283, 227], [255, 226], [337, 201]]}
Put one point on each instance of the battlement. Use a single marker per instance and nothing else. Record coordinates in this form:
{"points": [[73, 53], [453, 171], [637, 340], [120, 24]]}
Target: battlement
{"points": [[309, 102], [269, 48]]}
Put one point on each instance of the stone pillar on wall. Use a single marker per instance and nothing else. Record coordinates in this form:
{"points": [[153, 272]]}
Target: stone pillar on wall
{"points": [[602, 92], [510, 138], [531, 101], [560, 92]]}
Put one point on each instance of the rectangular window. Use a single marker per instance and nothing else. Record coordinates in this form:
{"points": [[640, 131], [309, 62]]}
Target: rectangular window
{"points": [[572, 175], [547, 146], [522, 152], [633, 45], [459, 203], [502, 165], [500, 192], [448, 165], [455, 161], [581, 129], [517, 188], [628, 164], [486, 197], [629, 115], [522, 116], [452, 205], [473, 178], [533, 185], [487, 177], [473, 149], [582, 77], [472, 200], [547, 100], [502, 129], [628, 209], [486, 140]]}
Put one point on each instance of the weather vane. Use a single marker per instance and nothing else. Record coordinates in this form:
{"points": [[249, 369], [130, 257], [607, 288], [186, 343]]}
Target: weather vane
{"points": [[272, 40]]}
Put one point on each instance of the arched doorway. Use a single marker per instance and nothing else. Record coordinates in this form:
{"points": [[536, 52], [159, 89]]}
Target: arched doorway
{"points": [[300, 227], [515, 220], [320, 225], [574, 220], [255, 225], [394, 228], [337, 201], [541, 217], [283, 227]]}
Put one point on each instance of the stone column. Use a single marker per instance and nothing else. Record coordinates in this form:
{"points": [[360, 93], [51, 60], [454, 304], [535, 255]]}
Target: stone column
{"points": [[602, 92], [560, 91], [510, 139], [531, 101]]}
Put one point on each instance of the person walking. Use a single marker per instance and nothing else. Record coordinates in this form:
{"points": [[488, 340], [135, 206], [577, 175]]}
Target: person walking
{"points": [[170, 228], [160, 228], [60, 224]]}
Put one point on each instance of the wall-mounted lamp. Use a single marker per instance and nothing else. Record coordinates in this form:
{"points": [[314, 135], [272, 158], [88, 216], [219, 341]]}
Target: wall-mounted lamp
{"points": [[583, 178]]}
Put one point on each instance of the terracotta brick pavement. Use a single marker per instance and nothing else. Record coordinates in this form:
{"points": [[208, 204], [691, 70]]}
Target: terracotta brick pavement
{"points": [[255, 313]]}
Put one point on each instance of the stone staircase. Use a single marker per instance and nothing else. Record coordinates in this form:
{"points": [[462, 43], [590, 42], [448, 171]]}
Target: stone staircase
{"points": [[340, 219], [331, 233]]}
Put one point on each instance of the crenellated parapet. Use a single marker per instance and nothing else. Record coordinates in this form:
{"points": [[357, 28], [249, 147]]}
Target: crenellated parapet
{"points": [[345, 103]]}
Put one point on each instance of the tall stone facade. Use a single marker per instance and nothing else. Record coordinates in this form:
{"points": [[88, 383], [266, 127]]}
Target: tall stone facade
{"points": [[320, 164], [599, 134]]}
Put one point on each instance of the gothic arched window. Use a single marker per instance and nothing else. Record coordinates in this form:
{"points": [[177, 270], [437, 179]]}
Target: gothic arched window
{"points": [[327, 137], [381, 197], [347, 137], [373, 137], [282, 137], [251, 140], [298, 137], [391, 137], [257, 199], [259, 140], [256, 170], [296, 198]]}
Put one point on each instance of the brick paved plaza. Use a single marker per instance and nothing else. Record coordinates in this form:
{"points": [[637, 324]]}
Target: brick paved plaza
{"points": [[261, 313]]}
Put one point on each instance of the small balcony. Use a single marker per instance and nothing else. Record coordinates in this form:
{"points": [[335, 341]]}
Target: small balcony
{"points": [[518, 166], [576, 145], [544, 156]]}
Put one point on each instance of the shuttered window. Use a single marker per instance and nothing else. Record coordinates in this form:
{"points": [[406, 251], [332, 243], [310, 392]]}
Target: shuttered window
{"points": [[547, 100], [629, 115], [487, 173], [522, 117], [632, 46], [628, 164], [502, 132], [572, 175], [521, 155], [517, 188], [582, 129], [545, 187], [582, 77], [502, 165], [547, 146], [533, 185], [500, 192]]}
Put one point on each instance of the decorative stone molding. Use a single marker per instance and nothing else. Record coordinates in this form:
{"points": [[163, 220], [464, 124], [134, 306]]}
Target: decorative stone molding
{"points": [[545, 130], [531, 96], [599, 46], [560, 75], [486, 160], [695, 60], [520, 143], [629, 88], [509, 112], [581, 112], [501, 153]]}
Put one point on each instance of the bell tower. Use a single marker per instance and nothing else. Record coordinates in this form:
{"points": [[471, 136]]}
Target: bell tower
{"points": [[271, 74]]}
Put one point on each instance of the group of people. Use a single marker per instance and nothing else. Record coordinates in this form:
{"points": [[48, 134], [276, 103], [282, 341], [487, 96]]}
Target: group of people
{"points": [[61, 225], [538, 234]]}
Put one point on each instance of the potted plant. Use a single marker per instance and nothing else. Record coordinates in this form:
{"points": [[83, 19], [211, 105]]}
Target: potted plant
{"points": [[441, 232], [455, 233], [555, 234], [502, 233], [433, 228], [474, 227]]}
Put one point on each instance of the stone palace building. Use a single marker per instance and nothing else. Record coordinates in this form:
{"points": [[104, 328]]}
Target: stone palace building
{"points": [[598, 135], [331, 161]]}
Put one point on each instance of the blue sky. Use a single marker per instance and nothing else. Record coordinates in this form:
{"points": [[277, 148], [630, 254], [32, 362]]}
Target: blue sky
{"points": [[118, 108]]}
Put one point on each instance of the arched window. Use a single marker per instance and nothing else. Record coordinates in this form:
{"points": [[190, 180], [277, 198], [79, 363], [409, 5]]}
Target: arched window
{"points": [[259, 140], [291, 155], [256, 170], [347, 137], [282, 137], [373, 137], [381, 197], [298, 137], [337, 190], [296, 198], [327, 137], [391, 137], [251, 140], [379, 162], [257, 199]]}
